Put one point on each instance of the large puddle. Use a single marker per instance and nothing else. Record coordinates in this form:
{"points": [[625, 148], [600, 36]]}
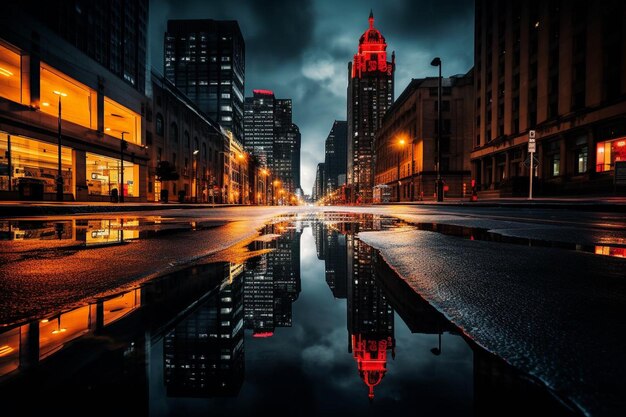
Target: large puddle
{"points": [[316, 325]]}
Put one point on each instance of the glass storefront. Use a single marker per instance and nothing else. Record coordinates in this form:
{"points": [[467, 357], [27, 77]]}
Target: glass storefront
{"points": [[103, 175], [609, 152], [33, 160], [10, 75], [118, 119]]}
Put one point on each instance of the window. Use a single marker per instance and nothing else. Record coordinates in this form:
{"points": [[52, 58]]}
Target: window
{"points": [[119, 119], [187, 140], [580, 160], [103, 175], [10, 74], [159, 124], [555, 165], [174, 132]]}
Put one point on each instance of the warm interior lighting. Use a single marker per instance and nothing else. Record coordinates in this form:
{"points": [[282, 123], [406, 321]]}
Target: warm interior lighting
{"points": [[44, 320], [79, 103], [119, 118], [621, 143], [5, 350], [61, 330], [107, 129], [196, 152], [45, 103], [5, 72], [59, 93]]}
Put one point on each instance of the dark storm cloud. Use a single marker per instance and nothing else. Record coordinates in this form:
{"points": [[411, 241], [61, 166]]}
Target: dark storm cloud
{"points": [[301, 49]]}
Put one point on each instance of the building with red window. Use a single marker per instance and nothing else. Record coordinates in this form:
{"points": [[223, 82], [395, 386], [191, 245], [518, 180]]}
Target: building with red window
{"points": [[558, 68]]}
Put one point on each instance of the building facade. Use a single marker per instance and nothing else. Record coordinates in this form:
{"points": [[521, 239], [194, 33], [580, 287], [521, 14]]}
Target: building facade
{"points": [[111, 33], [558, 68], [206, 60], [273, 138], [406, 144], [370, 94], [318, 185], [336, 147], [193, 145], [69, 128]]}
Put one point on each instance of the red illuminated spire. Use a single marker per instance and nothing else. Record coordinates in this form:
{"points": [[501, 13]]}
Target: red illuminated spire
{"points": [[372, 55]]}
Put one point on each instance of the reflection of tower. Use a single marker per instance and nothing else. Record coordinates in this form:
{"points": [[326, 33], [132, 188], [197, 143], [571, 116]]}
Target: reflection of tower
{"points": [[204, 354], [272, 284], [331, 247], [370, 317]]}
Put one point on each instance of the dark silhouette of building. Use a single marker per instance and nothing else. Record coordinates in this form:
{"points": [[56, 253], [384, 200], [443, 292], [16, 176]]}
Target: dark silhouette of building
{"points": [[114, 34], [336, 156], [558, 68], [406, 144], [206, 60], [370, 93]]}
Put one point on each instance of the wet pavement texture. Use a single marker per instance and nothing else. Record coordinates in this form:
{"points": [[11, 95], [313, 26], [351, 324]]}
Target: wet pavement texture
{"points": [[317, 324]]}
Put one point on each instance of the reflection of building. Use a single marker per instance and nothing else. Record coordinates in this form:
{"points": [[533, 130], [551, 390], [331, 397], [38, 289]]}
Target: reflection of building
{"points": [[272, 284], [204, 354], [206, 60], [564, 76], [44, 75], [406, 143], [331, 247], [370, 93], [370, 316]]}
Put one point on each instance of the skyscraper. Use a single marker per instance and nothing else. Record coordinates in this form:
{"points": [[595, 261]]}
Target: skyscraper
{"points": [[370, 93], [271, 135], [335, 162], [206, 60]]}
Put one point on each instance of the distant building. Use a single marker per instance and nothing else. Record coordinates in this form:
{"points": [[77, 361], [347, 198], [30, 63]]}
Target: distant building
{"points": [[318, 185], [406, 144], [206, 60], [114, 34], [336, 156], [273, 138], [370, 93], [558, 68]]}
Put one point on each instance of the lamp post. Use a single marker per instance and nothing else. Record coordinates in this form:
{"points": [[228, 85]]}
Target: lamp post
{"points": [[265, 173], [59, 167], [439, 184], [401, 144], [195, 172], [123, 146]]}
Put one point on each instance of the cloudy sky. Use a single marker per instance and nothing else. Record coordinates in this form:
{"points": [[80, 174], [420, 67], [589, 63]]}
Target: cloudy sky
{"points": [[300, 49]]}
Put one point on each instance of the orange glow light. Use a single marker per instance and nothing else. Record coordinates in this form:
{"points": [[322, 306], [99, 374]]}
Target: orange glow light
{"points": [[5, 350], [59, 93], [621, 143], [5, 72]]}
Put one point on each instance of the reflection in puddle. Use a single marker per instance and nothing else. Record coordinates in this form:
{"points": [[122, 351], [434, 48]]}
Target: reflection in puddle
{"points": [[318, 325], [94, 232]]}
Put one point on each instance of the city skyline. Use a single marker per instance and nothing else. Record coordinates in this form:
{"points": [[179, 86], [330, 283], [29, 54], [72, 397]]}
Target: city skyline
{"points": [[307, 58]]}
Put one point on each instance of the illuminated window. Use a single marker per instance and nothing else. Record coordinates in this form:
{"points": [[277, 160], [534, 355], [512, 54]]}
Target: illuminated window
{"points": [[10, 75], [78, 102], [33, 160], [609, 152], [118, 119], [103, 175]]}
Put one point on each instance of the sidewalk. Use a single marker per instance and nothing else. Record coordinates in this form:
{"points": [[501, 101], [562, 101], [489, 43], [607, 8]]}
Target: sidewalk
{"points": [[52, 208], [587, 203]]}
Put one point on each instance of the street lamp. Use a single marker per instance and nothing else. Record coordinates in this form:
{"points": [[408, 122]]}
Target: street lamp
{"points": [[195, 172], [401, 144], [59, 167], [275, 184], [123, 146], [265, 173], [439, 184]]}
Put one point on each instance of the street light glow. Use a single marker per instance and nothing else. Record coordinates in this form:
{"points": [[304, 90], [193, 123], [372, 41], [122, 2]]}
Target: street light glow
{"points": [[59, 93]]}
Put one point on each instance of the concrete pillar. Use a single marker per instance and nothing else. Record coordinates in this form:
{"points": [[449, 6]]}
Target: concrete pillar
{"points": [[482, 180], [566, 167], [494, 168], [79, 176], [507, 162]]}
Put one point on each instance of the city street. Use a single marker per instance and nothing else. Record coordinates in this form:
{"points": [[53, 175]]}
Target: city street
{"points": [[542, 289]]}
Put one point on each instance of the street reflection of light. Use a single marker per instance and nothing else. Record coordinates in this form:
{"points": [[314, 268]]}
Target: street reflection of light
{"points": [[262, 335], [59, 329], [5, 350]]}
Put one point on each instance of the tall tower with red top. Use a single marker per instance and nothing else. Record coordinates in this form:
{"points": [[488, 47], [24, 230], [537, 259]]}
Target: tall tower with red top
{"points": [[370, 94]]}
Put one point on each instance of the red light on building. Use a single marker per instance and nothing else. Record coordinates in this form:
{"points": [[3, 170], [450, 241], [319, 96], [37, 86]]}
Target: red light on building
{"points": [[372, 55], [264, 92], [263, 335], [371, 359]]}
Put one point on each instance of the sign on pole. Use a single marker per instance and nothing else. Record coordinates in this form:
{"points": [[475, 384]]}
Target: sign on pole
{"points": [[532, 147]]}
